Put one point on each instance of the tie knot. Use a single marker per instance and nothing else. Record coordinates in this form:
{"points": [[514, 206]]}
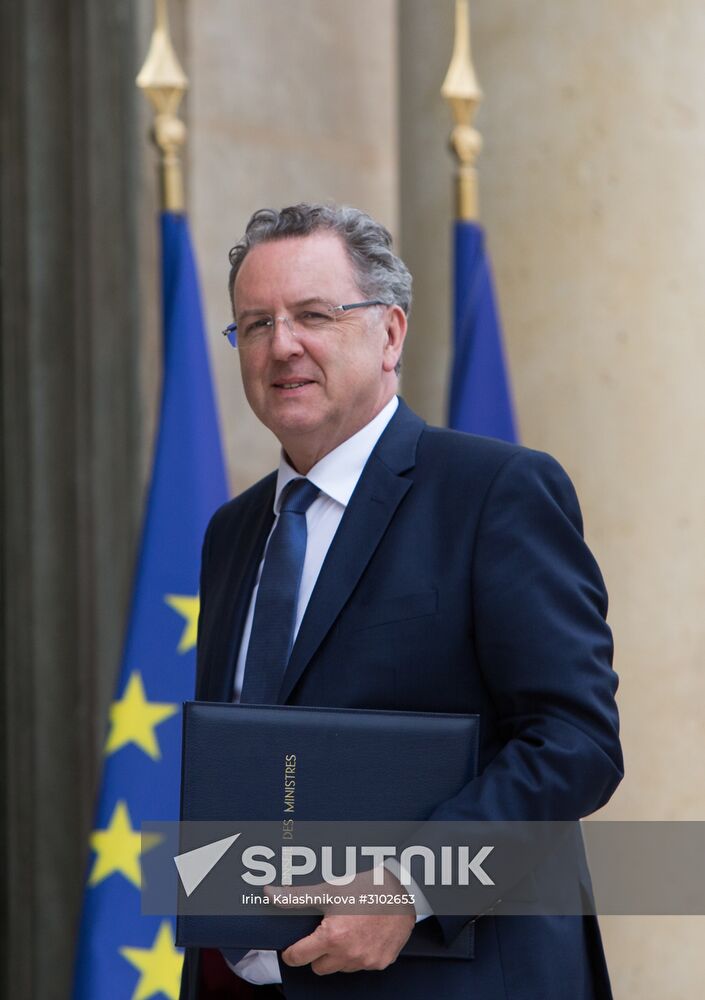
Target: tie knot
{"points": [[298, 496]]}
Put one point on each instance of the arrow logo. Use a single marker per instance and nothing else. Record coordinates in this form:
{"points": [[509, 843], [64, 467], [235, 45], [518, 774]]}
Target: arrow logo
{"points": [[193, 866]]}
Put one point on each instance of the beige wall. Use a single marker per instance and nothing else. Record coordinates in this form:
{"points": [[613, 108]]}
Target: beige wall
{"points": [[592, 192], [426, 196], [289, 102]]}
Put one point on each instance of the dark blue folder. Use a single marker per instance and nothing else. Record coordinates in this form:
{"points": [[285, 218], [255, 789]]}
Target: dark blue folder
{"points": [[351, 765]]}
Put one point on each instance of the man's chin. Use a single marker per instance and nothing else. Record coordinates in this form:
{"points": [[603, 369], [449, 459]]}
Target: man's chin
{"points": [[292, 422]]}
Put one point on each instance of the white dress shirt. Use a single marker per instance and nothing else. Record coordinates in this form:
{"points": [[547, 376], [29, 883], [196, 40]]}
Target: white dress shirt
{"points": [[336, 476]]}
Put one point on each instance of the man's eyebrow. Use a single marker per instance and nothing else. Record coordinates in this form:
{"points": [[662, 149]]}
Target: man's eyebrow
{"points": [[257, 311], [264, 311], [311, 301]]}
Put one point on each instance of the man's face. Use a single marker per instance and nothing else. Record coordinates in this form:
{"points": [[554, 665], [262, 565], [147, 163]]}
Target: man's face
{"points": [[314, 389]]}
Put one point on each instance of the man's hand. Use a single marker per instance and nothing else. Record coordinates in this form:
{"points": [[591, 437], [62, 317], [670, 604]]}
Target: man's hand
{"points": [[351, 942]]}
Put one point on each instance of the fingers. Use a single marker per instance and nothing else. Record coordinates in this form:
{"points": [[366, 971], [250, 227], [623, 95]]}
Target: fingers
{"points": [[308, 949], [286, 899], [351, 944]]}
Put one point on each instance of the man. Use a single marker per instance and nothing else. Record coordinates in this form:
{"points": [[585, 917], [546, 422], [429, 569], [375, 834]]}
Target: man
{"points": [[441, 573]]}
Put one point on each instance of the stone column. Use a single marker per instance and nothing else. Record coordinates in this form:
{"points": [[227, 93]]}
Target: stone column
{"points": [[72, 448]]}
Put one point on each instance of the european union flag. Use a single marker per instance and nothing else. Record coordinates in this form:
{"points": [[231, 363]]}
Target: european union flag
{"points": [[123, 955], [480, 399]]}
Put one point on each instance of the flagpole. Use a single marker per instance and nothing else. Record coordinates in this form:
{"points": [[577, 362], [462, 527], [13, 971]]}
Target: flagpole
{"points": [[462, 91], [479, 397], [164, 82]]}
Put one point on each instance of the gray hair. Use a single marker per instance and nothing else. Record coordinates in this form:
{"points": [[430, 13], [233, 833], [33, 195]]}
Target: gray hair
{"points": [[379, 272]]}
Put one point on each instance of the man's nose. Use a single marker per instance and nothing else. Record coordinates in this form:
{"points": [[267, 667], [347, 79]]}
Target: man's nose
{"points": [[284, 342]]}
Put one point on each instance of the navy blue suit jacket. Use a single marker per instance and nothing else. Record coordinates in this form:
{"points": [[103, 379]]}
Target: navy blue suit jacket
{"points": [[458, 581]]}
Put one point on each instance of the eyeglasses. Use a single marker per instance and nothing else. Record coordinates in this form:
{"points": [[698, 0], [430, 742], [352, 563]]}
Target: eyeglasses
{"points": [[310, 317]]}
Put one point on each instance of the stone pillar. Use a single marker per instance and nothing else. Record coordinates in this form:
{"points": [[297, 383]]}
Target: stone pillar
{"points": [[72, 266]]}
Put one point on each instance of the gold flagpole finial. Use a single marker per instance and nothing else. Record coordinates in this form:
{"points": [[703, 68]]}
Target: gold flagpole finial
{"points": [[462, 91], [165, 83]]}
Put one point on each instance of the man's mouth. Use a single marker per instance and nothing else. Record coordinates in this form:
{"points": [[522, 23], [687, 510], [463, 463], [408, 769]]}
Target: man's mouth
{"points": [[292, 383]]}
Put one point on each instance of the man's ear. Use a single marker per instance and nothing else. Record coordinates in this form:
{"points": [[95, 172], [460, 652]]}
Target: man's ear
{"points": [[395, 326]]}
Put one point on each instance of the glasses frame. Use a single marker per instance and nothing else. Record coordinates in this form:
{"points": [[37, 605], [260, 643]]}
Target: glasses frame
{"points": [[230, 331]]}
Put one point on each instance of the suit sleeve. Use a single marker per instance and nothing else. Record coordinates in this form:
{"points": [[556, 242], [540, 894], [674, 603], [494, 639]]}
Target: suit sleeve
{"points": [[202, 589], [545, 652]]}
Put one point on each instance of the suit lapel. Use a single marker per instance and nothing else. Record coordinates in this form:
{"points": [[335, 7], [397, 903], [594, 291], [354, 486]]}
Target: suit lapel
{"points": [[374, 501], [240, 582]]}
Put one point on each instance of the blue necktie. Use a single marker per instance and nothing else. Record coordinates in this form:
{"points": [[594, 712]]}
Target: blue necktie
{"points": [[273, 623]]}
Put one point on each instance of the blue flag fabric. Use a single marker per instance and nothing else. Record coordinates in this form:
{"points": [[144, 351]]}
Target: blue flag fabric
{"points": [[480, 398], [121, 954]]}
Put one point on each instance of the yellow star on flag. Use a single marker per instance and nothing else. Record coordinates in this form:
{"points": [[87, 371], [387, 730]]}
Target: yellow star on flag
{"points": [[160, 965], [118, 848], [187, 607], [133, 719]]}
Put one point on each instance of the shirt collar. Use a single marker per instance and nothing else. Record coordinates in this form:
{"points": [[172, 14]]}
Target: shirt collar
{"points": [[337, 473]]}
